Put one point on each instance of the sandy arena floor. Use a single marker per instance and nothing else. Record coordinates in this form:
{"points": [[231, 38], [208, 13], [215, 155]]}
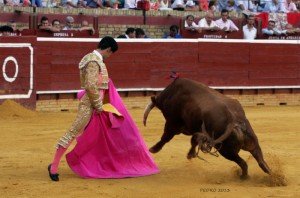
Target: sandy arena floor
{"points": [[27, 147]]}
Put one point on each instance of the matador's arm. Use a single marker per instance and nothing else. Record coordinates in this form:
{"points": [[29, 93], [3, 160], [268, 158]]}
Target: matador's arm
{"points": [[91, 85]]}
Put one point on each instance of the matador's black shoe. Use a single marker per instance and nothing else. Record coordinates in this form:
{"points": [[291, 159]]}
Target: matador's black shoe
{"points": [[54, 177]]}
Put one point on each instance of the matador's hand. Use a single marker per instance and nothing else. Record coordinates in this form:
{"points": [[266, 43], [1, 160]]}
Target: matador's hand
{"points": [[99, 110], [99, 106]]}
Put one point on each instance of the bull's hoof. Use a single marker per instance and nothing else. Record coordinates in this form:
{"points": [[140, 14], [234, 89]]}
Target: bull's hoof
{"points": [[191, 155], [244, 177]]}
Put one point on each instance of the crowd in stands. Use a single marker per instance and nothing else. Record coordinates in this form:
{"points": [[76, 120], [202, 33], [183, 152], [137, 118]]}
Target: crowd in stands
{"points": [[271, 30], [272, 6], [225, 24], [208, 23], [222, 24], [140, 33], [133, 33], [45, 25], [56, 25]]}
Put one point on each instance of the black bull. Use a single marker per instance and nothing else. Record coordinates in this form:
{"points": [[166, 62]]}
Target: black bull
{"points": [[213, 120]]}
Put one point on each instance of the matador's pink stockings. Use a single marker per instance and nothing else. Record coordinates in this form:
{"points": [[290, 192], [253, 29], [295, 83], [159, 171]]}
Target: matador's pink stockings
{"points": [[58, 155]]}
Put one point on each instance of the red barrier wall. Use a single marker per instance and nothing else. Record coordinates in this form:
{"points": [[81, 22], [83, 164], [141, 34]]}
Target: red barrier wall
{"points": [[145, 64], [17, 74]]}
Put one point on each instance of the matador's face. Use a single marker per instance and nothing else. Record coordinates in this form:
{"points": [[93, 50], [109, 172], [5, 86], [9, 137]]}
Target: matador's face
{"points": [[107, 52]]}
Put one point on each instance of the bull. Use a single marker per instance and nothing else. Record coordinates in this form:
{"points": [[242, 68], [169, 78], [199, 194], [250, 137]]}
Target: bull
{"points": [[211, 118]]}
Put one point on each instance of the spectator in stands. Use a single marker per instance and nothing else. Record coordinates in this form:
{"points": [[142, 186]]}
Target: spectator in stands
{"points": [[271, 30], [222, 4], [103, 4], [254, 6], [130, 33], [71, 3], [275, 6], [164, 5], [189, 24], [6, 30], [110, 3], [94, 4], [190, 5], [297, 3], [120, 4], [81, 4], [242, 5], [36, 3], [261, 5], [203, 5], [207, 23], [213, 6], [290, 6], [289, 29], [13, 3], [122, 36], [69, 24], [173, 33], [56, 24], [86, 27], [178, 5], [226, 24], [249, 31], [238, 5], [251, 5], [44, 25], [84, 24], [55, 3], [231, 6], [130, 4], [140, 33], [13, 25], [44, 21]]}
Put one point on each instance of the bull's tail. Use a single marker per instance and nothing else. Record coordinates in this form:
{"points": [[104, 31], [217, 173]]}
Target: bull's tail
{"points": [[147, 111], [230, 128]]}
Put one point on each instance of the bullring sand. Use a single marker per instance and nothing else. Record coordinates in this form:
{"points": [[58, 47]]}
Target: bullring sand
{"points": [[27, 147]]}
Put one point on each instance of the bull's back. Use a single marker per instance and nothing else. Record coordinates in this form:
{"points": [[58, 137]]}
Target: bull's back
{"points": [[211, 98], [183, 94], [186, 90], [179, 92]]}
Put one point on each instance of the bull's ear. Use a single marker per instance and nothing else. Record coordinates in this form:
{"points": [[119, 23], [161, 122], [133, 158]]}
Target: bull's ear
{"points": [[153, 99]]}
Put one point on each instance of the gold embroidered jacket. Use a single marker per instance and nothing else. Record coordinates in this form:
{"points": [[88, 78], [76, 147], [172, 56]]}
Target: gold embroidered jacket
{"points": [[93, 78]]}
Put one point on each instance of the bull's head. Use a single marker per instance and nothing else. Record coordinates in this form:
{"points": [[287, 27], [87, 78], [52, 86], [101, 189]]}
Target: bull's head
{"points": [[205, 143]]}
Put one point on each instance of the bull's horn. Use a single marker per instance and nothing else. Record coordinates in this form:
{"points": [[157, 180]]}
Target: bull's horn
{"points": [[147, 111]]}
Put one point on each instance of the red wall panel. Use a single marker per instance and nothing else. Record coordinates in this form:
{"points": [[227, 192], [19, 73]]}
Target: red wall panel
{"points": [[163, 20], [146, 64], [125, 20], [17, 70]]}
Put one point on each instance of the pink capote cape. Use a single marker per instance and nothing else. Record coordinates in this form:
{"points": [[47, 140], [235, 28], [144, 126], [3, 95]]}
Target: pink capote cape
{"points": [[111, 146]]}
